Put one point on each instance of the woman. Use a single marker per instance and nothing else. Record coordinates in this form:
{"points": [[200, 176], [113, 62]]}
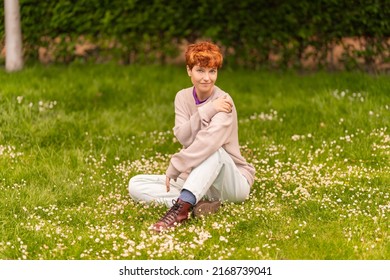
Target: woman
{"points": [[210, 168]]}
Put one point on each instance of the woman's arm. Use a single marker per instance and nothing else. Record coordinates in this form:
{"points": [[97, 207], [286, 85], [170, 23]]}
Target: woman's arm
{"points": [[206, 142], [187, 126]]}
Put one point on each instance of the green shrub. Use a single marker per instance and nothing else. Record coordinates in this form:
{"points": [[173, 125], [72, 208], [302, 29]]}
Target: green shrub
{"points": [[255, 32]]}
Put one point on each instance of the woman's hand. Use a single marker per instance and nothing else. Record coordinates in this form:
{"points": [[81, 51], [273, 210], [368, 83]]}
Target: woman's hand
{"points": [[168, 183], [223, 104]]}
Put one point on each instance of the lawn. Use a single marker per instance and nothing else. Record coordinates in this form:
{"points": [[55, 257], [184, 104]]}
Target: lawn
{"points": [[72, 136]]}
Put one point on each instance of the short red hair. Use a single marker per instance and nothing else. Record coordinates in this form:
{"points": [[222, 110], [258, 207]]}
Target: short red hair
{"points": [[204, 54]]}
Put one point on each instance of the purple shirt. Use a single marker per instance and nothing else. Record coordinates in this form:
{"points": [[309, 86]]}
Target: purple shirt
{"points": [[197, 101]]}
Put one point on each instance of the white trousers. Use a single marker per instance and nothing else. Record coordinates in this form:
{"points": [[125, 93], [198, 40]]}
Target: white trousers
{"points": [[216, 178]]}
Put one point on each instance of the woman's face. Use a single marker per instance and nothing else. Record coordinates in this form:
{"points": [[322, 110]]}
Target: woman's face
{"points": [[203, 78]]}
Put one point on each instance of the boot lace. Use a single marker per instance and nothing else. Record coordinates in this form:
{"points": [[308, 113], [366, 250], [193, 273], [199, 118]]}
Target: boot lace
{"points": [[172, 213]]}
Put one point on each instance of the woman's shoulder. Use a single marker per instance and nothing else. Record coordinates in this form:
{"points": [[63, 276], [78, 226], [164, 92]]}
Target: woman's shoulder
{"points": [[185, 92], [184, 95]]}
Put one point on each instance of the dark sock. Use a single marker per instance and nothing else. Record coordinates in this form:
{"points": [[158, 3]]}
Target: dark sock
{"points": [[187, 196]]}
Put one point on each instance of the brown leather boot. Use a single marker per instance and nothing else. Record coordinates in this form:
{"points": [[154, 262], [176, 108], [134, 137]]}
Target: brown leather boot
{"points": [[204, 208], [179, 213]]}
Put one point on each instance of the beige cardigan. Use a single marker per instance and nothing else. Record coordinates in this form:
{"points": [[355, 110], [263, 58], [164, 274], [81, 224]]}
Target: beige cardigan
{"points": [[202, 131]]}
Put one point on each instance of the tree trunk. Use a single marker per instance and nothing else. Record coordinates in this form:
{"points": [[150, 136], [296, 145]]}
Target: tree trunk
{"points": [[13, 36]]}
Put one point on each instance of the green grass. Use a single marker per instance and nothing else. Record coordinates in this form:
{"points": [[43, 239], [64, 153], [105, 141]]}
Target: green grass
{"points": [[71, 138]]}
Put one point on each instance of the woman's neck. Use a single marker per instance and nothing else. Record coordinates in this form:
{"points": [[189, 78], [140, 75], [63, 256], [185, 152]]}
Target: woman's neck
{"points": [[202, 96]]}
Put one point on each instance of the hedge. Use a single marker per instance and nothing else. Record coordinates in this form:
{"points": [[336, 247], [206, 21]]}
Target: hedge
{"points": [[254, 33]]}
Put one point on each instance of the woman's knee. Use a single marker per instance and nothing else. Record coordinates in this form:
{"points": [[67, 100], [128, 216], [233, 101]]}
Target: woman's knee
{"points": [[216, 157], [134, 187]]}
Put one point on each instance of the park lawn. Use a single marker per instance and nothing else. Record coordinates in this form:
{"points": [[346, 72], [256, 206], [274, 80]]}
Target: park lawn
{"points": [[72, 136]]}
